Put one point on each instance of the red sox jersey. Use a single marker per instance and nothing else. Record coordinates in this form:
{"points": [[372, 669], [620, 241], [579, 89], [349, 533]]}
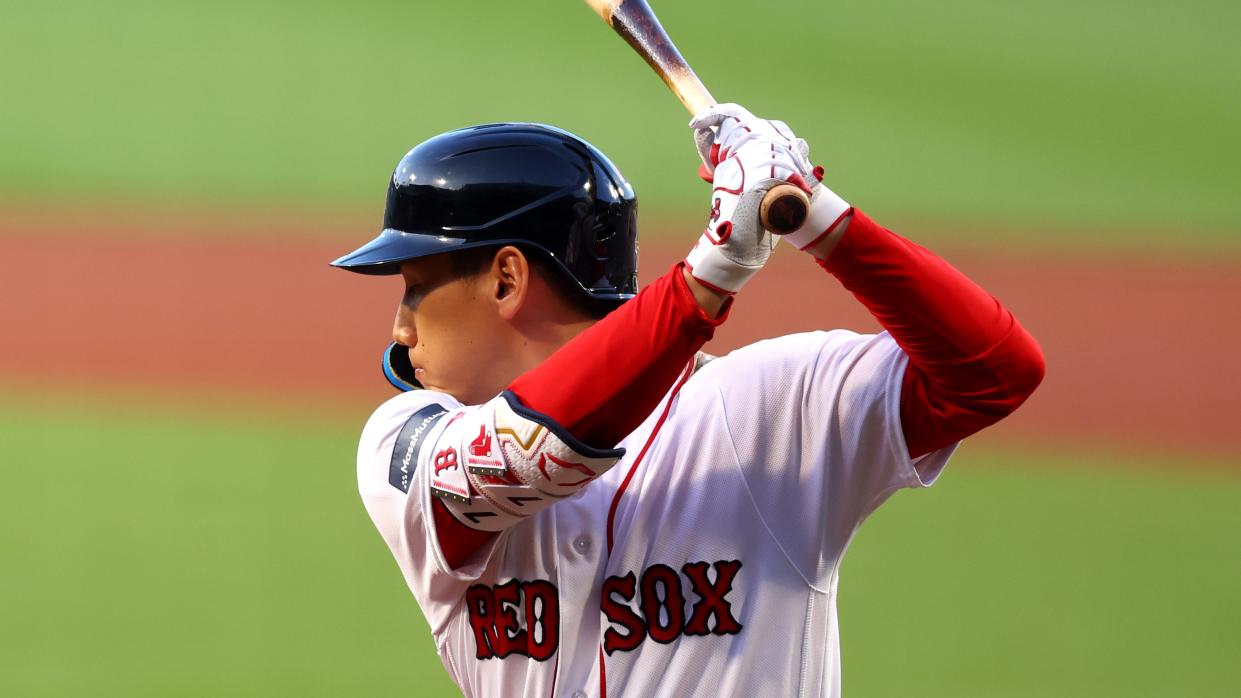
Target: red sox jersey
{"points": [[703, 561]]}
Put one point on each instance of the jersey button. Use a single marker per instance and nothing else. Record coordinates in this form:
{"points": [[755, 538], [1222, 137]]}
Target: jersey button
{"points": [[582, 545], [579, 694]]}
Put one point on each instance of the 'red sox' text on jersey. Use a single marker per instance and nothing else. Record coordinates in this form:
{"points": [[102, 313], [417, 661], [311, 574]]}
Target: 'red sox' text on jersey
{"points": [[703, 562]]}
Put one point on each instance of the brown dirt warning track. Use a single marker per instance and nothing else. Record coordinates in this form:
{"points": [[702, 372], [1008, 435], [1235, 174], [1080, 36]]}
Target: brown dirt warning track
{"points": [[1142, 354]]}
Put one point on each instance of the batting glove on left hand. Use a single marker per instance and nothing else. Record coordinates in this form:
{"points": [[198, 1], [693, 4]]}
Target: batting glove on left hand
{"points": [[734, 246]]}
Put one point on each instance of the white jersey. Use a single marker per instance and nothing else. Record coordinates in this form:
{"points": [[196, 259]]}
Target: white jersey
{"points": [[705, 563]]}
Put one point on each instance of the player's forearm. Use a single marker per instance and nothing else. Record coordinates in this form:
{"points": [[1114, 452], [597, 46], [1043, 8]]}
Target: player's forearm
{"points": [[603, 383], [970, 362], [711, 300]]}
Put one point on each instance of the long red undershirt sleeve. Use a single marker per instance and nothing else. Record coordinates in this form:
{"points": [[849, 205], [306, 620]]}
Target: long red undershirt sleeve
{"points": [[970, 362], [605, 381]]}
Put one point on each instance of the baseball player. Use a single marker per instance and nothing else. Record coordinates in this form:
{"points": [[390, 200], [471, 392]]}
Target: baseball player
{"points": [[583, 503]]}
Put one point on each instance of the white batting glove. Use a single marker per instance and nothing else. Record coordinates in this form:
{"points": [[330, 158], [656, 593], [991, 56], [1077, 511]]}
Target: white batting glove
{"points": [[734, 127], [721, 129], [734, 246]]}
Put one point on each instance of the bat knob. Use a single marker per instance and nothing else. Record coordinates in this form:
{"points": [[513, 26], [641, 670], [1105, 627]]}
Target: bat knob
{"points": [[784, 209]]}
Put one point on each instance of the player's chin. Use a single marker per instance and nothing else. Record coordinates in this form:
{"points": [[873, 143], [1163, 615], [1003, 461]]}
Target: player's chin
{"points": [[466, 395], [466, 389], [431, 384]]}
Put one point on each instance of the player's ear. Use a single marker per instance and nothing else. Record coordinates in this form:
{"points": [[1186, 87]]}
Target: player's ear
{"points": [[510, 275]]}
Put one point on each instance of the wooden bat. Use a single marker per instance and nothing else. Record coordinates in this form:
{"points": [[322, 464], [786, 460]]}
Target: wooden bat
{"points": [[785, 206]]}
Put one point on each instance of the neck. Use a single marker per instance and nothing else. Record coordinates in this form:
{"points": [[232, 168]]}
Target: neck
{"points": [[530, 342], [540, 339]]}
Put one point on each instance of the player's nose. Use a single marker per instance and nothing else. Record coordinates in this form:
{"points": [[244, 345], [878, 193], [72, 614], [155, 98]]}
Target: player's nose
{"points": [[403, 327]]}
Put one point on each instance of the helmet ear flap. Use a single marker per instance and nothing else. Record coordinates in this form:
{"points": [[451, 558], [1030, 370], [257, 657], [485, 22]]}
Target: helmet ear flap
{"points": [[397, 368]]}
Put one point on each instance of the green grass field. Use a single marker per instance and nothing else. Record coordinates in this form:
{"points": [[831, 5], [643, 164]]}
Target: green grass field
{"points": [[202, 555], [1113, 117], [152, 549]]}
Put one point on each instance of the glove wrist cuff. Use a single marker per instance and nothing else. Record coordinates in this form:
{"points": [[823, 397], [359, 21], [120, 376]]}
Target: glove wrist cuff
{"points": [[827, 209], [708, 265]]}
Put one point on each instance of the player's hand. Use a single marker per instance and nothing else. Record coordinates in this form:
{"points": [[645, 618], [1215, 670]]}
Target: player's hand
{"points": [[734, 246], [722, 129]]}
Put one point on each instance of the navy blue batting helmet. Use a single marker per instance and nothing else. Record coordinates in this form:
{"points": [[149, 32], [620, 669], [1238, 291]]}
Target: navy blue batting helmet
{"points": [[534, 186]]}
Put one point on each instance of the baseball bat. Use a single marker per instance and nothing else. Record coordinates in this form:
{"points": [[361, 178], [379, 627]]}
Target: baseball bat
{"points": [[785, 206]]}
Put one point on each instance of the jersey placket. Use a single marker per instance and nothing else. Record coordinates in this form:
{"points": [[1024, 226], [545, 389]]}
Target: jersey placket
{"points": [[581, 556]]}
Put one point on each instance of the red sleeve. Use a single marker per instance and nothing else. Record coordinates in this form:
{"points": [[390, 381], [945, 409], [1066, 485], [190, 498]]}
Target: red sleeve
{"points": [[605, 381], [970, 362]]}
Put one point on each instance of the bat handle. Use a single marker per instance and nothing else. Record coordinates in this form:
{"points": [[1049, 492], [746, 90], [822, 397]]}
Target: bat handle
{"points": [[784, 209]]}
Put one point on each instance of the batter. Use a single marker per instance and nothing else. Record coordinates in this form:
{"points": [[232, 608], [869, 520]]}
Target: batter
{"points": [[582, 502]]}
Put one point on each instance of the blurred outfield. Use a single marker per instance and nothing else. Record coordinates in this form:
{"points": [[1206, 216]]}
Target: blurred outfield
{"points": [[153, 549], [1092, 120]]}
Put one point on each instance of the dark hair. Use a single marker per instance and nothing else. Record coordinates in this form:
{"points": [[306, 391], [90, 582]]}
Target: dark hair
{"points": [[475, 260]]}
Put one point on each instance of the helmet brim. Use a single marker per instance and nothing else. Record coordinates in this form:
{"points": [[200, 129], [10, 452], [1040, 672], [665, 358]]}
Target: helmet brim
{"points": [[383, 255]]}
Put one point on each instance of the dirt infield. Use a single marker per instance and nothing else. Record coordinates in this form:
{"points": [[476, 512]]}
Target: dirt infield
{"points": [[1142, 354]]}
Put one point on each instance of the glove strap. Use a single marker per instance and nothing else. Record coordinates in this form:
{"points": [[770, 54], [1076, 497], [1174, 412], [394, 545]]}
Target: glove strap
{"points": [[708, 265]]}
